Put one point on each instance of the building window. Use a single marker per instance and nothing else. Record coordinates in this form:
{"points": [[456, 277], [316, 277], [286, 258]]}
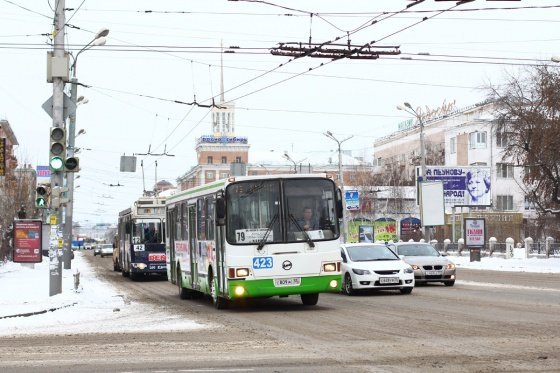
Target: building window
{"points": [[504, 203], [529, 203], [453, 145], [224, 159], [379, 161], [210, 160], [501, 139], [210, 175], [477, 140], [237, 159], [223, 175], [504, 170]]}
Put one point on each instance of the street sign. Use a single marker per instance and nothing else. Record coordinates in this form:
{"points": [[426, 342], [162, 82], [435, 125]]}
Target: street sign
{"points": [[60, 243], [68, 104], [53, 220]]}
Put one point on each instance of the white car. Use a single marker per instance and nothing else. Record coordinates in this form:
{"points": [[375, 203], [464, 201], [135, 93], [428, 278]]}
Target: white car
{"points": [[374, 266], [105, 249]]}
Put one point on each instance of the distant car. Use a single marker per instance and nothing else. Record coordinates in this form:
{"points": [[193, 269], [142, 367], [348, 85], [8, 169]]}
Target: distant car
{"points": [[105, 249], [429, 265], [96, 250], [374, 266]]}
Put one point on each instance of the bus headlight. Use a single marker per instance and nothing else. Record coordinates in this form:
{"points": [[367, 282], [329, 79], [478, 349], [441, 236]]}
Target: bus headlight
{"points": [[239, 291], [333, 284], [242, 272], [329, 267]]}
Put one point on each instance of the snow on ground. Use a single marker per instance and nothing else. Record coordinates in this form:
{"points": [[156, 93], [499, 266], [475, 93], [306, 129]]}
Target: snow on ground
{"points": [[97, 306]]}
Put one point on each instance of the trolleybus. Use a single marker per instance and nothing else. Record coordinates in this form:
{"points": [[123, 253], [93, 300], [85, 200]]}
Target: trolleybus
{"points": [[241, 238], [141, 243]]}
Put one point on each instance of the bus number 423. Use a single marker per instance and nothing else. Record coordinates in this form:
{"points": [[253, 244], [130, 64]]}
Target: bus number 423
{"points": [[262, 262]]}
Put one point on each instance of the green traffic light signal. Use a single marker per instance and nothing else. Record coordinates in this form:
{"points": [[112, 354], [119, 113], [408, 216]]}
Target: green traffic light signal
{"points": [[41, 203], [56, 163]]}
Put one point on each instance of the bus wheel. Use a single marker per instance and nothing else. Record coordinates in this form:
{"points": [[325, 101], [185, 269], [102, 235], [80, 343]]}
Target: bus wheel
{"points": [[309, 299], [183, 293], [219, 302]]}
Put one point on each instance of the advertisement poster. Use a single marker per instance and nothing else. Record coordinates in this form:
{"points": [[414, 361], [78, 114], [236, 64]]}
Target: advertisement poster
{"points": [[365, 233], [385, 229], [352, 198], [463, 186], [27, 241], [475, 231]]}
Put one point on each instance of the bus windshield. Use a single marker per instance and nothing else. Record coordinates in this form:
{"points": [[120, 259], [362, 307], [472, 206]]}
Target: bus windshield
{"points": [[147, 231], [280, 211]]}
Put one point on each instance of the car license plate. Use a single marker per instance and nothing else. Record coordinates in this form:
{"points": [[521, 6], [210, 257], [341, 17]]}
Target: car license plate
{"points": [[433, 273], [388, 280], [295, 281]]}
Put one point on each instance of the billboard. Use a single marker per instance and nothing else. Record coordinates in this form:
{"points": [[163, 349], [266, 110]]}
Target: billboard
{"points": [[385, 229], [27, 241], [463, 186]]}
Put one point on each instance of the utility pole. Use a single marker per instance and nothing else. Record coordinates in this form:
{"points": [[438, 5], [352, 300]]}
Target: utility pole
{"points": [[340, 180], [59, 54], [409, 109]]}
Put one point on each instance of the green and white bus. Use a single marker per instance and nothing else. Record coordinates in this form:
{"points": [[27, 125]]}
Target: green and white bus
{"points": [[241, 238]]}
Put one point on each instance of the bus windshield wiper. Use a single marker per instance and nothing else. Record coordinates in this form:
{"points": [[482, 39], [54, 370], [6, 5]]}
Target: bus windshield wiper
{"points": [[267, 233], [307, 238]]}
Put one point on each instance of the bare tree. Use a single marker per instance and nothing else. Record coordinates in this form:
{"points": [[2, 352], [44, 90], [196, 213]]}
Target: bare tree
{"points": [[528, 124]]}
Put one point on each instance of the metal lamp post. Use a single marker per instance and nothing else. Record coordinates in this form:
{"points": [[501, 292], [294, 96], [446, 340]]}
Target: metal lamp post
{"points": [[408, 108], [340, 178], [99, 39], [287, 156]]}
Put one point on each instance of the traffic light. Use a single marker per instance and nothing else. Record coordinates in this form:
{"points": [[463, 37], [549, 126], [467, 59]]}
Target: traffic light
{"points": [[41, 198], [57, 149], [72, 164], [57, 197]]}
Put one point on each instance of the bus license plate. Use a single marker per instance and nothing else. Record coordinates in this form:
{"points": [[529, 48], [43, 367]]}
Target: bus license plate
{"points": [[389, 280], [279, 282]]}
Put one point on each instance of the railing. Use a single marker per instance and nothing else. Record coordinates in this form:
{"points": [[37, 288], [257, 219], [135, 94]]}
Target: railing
{"points": [[537, 249]]}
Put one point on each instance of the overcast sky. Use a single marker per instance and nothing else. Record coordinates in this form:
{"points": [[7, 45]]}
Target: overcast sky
{"points": [[159, 52]]}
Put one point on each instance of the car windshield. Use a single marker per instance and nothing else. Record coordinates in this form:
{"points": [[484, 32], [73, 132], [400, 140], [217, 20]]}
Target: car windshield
{"points": [[417, 250], [368, 253]]}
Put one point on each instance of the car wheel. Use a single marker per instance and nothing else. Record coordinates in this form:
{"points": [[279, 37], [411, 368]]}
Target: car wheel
{"points": [[347, 286], [449, 283], [309, 299], [406, 290]]}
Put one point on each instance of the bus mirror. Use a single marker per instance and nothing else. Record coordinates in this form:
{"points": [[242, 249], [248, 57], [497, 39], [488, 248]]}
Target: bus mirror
{"points": [[220, 212], [338, 204]]}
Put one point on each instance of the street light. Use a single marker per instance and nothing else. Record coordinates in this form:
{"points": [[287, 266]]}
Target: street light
{"points": [[340, 178], [331, 136], [408, 108], [265, 169], [99, 39], [291, 160]]}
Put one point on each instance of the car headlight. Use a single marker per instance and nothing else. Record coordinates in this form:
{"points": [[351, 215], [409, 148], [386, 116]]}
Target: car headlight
{"points": [[415, 267], [408, 270], [451, 266], [361, 271]]}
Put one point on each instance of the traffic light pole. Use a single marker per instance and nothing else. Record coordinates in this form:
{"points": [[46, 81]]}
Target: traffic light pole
{"points": [[67, 232], [55, 270]]}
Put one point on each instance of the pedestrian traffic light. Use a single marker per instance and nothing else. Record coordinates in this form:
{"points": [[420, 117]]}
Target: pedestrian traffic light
{"points": [[41, 197], [57, 149], [57, 197], [72, 164]]}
